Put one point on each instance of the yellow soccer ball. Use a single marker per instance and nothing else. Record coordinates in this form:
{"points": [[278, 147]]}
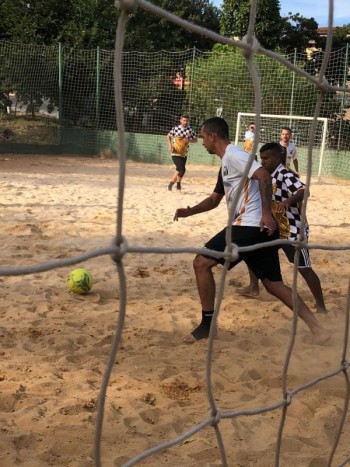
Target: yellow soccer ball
{"points": [[80, 281]]}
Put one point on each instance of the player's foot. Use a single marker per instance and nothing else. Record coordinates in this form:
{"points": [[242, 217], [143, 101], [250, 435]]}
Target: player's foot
{"points": [[248, 291], [321, 336], [170, 186], [201, 332], [321, 310], [178, 186], [190, 339]]}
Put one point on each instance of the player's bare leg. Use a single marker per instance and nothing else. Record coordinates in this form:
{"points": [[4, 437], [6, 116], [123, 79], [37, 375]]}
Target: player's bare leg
{"points": [[252, 289], [284, 293], [174, 179], [206, 290], [178, 182], [314, 284]]}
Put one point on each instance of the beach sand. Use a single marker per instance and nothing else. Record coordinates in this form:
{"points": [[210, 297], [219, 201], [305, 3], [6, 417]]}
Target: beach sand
{"points": [[54, 344]]}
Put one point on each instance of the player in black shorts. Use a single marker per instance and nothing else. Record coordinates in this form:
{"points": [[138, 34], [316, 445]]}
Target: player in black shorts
{"points": [[288, 194], [178, 139], [252, 222]]}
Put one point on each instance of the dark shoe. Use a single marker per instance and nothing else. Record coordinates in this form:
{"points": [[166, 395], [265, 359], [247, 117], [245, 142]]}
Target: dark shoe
{"points": [[170, 186]]}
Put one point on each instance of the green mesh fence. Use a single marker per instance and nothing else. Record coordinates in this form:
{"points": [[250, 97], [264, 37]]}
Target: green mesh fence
{"points": [[59, 100]]}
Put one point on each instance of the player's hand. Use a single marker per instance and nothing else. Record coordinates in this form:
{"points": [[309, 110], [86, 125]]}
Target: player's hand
{"points": [[282, 207], [182, 212], [268, 222]]}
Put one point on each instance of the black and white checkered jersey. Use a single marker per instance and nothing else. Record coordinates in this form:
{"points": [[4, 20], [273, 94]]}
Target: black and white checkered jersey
{"points": [[183, 132], [285, 184]]}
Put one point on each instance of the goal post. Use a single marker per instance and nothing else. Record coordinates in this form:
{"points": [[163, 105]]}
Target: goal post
{"points": [[300, 125]]}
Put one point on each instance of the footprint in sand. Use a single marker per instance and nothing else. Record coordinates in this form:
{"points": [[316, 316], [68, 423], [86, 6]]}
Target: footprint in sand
{"points": [[151, 416], [8, 339], [93, 297], [283, 310], [76, 409], [27, 441]]}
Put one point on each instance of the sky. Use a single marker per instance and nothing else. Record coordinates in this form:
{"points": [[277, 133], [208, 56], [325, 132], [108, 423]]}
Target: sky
{"points": [[317, 9]]}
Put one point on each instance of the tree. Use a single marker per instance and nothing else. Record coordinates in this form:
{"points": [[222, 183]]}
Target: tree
{"points": [[91, 23], [30, 22], [146, 32], [297, 31], [77, 23], [222, 79], [235, 20], [341, 37]]}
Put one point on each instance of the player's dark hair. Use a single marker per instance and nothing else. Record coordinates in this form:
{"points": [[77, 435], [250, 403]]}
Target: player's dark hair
{"points": [[184, 116], [288, 129], [274, 147], [216, 125]]}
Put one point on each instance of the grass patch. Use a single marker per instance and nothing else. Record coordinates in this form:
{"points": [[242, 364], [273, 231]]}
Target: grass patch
{"points": [[31, 130]]}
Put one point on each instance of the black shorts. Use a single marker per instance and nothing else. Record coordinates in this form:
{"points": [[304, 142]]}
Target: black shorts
{"points": [[180, 163], [304, 257], [264, 262]]}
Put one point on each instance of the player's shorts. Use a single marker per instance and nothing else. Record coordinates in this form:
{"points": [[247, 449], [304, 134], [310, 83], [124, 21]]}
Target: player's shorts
{"points": [[304, 257], [180, 163], [264, 262]]}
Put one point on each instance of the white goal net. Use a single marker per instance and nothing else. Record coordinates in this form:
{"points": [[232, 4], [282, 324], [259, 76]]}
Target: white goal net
{"points": [[270, 130]]}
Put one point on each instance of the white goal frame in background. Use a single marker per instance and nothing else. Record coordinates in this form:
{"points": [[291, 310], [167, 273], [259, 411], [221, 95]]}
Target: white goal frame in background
{"points": [[323, 141]]}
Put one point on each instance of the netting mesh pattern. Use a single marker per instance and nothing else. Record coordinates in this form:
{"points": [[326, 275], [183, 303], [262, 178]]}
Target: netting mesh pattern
{"points": [[74, 91], [249, 48], [257, 100]]}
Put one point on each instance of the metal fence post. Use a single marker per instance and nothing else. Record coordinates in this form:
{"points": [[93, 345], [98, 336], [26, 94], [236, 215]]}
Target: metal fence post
{"points": [[343, 103], [60, 91], [98, 83]]}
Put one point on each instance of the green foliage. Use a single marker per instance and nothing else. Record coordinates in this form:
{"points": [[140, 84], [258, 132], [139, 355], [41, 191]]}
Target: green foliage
{"points": [[91, 23], [147, 32], [235, 20], [297, 31], [78, 23], [31, 22], [339, 134], [79, 72], [212, 90], [149, 90], [222, 80], [341, 37], [19, 73]]}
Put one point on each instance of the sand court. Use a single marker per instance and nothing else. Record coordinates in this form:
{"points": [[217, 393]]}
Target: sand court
{"points": [[54, 344]]}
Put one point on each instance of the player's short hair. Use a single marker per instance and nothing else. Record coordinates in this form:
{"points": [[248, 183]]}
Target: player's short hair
{"points": [[273, 147], [288, 129], [216, 125], [184, 116]]}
